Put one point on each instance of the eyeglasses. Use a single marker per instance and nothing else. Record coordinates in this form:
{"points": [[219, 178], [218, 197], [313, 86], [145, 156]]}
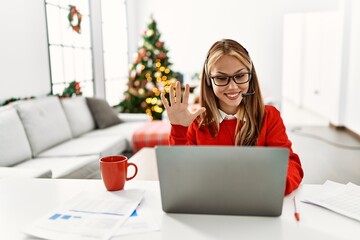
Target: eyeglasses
{"points": [[223, 80]]}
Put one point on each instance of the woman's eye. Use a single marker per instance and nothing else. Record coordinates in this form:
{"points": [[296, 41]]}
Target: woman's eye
{"points": [[221, 78], [240, 76]]}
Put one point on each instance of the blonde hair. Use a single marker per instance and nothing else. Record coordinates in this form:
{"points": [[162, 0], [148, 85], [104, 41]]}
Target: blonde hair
{"points": [[251, 107]]}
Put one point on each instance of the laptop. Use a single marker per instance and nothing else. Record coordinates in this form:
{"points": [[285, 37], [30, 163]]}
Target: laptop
{"points": [[222, 180]]}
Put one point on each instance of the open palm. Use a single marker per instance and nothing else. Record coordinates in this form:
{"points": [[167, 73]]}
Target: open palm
{"points": [[178, 109]]}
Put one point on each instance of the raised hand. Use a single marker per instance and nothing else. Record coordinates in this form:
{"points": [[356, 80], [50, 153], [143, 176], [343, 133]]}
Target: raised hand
{"points": [[178, 110]]}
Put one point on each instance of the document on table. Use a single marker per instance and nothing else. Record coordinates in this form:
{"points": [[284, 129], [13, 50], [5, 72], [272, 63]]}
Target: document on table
{"points": [[340, 198], [88, 216], [142, 220]]}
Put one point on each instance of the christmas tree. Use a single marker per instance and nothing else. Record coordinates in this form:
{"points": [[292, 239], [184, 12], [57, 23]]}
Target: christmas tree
{"points": [[149, 76]]}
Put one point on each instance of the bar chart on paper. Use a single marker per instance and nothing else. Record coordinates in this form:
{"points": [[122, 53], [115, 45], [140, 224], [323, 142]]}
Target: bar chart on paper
{"points": [[58, 216]]}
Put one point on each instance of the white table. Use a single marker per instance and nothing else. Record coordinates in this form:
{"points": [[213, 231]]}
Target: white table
{"points": [[145, 159], [24, 200]]}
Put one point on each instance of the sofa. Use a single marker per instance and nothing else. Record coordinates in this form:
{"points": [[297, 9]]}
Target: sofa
{"points": [[62, 138]]}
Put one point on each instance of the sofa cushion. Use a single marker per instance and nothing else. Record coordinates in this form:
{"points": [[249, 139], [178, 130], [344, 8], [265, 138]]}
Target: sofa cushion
{"points": [[134, 117], [78, 115], [14, 145], [103, 114], [99, 146], [14, 172], [45, 122], [69, 167], [125, 129]]}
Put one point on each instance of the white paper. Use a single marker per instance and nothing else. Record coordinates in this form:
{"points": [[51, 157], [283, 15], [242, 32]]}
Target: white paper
{"points": [[88, 216], [340, 198], [142, 220]]}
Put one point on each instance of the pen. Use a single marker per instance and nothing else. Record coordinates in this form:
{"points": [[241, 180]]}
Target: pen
{"points": [[296, 214]]}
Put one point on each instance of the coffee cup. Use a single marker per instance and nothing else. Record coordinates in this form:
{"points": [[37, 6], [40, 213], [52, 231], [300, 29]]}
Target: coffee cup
{"points": [[114, 171]]}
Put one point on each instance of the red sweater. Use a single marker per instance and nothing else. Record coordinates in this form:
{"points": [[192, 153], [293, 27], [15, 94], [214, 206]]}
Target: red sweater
{"points": [[272, 134]]}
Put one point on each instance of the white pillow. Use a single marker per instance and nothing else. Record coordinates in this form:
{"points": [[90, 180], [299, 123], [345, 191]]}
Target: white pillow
{"points": [[78, 115], [45, 122], [14, 145]]}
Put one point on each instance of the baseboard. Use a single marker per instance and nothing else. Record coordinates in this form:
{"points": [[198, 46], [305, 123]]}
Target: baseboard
{"points": [[345, 129]]}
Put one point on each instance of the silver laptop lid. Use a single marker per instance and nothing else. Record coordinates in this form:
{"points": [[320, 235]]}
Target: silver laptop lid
{"points": [[222, 179]]}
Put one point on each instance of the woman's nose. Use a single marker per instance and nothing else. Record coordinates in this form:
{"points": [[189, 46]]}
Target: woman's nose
{"points": [[232, 84]]}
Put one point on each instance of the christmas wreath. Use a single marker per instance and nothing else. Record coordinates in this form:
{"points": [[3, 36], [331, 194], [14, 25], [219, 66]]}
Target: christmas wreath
{"points": [[75, 18]]}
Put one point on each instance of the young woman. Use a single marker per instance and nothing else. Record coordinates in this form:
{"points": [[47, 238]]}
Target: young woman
{"points": [[232, 111]]}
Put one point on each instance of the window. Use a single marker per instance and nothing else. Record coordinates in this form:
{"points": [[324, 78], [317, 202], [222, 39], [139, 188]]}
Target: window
{"points": [[115, 49], [70, 52]]}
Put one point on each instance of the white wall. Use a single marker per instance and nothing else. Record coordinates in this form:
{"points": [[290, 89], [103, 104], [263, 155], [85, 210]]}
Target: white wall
{"points": [[321, 58], [24, 60], [322, 63], [293, 72], [352, 106]]}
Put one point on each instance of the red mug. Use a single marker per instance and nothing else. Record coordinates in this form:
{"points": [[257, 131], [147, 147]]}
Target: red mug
{"points": [[114, 171]]}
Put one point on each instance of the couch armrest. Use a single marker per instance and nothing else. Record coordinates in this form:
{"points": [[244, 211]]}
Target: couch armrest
{"points": [[134, 117]]}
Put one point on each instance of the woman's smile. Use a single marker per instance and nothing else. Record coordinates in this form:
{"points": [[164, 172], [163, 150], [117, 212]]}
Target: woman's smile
{"points": [[233, 96]]}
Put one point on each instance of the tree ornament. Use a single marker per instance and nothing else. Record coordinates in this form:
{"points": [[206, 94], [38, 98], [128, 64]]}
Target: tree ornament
{"points": [[162, 55], [149, 86], [144, 105], [142, 52], [141, 91], [132, 75], [159, 44], [157, 74], [149, 33]]}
